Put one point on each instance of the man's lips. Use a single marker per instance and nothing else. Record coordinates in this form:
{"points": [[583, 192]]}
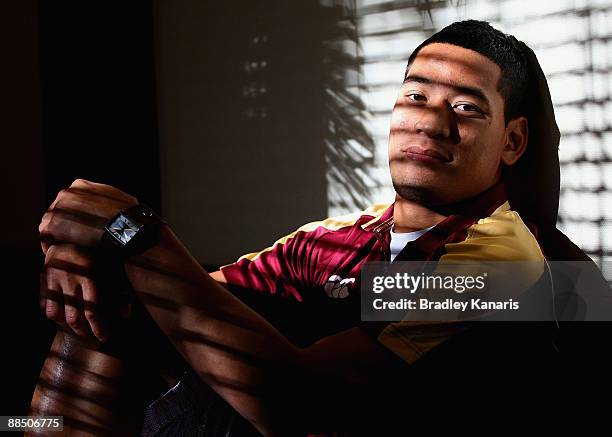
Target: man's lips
{"points": [[425, 154]]}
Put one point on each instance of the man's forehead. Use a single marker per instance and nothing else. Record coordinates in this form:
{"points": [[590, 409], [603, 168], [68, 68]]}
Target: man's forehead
{"points": [[450, 63]]}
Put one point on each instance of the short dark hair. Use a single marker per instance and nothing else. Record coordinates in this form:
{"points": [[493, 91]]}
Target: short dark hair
{"points": [[500, 48]]}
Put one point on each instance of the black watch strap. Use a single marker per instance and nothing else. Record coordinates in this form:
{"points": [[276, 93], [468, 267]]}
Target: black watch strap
{"points": [[132, 231]]}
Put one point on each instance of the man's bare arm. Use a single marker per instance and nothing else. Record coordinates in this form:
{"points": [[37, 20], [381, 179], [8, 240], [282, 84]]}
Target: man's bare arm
{"points": [[267, 379], [83, 385]]}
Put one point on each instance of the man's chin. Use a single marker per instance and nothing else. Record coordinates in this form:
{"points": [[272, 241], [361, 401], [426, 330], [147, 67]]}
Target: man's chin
{"points": [[422, 195]]}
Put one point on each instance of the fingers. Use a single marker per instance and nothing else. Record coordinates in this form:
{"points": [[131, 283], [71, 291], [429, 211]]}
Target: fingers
{"points": [[70, 258], [92, 202], [91, 309], [104, 189], [44, 245], [52, 300], [62, 226], [69, 293], [73, 308]]}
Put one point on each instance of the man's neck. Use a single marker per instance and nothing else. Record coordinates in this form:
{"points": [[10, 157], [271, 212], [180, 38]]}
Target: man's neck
{"points": [[409, 216]]}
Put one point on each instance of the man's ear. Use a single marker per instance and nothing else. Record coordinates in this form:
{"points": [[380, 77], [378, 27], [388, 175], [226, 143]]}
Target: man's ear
{"points": [[516, 139]]}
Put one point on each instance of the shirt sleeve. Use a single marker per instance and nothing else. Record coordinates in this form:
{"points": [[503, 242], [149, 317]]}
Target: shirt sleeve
{"points": [[271, 270], [290, 265], [286, 267]]}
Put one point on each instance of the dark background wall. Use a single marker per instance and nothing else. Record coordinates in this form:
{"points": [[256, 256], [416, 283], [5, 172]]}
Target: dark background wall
{"points": [[242, 102], [22, 176]]}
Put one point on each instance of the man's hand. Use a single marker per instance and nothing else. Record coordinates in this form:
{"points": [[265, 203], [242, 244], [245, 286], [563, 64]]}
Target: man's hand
{"points": [[68, 292], [79, 214], [74, 223]]}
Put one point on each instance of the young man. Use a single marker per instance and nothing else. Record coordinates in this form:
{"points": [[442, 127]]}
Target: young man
{"points": [[472, 101]]}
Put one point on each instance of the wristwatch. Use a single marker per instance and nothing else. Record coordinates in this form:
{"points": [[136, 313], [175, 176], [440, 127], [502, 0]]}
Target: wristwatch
{"points": [[132, 231]]}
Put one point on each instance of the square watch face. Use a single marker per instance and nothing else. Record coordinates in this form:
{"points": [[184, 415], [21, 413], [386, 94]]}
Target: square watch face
{"points": [[123, 229]]}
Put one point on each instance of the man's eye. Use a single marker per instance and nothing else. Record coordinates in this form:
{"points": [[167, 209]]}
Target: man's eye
{"points": [[416, 97], [465, 107]]}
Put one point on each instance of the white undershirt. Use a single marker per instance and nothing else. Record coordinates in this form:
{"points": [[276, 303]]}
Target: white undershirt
{"points": [[399, 240]]}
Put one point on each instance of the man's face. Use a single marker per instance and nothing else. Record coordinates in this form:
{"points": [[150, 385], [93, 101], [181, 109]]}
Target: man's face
{"points": [[447, 127]]}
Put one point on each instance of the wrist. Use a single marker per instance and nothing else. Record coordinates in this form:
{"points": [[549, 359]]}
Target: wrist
{"points": [[132, 231]]}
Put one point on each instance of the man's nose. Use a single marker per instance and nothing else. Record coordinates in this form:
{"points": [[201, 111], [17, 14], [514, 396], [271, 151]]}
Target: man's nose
{"points": [[436, 122]]}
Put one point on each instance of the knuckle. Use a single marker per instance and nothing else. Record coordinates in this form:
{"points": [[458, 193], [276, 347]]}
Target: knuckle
{"points": [[70, 281], [72, 319], [81, 181], [63, 279], [63, 251], [89, 285], [51, 221], [44, 222], [57, 276], [62, 198], [52, 312], [52, 253], [91, 316]]}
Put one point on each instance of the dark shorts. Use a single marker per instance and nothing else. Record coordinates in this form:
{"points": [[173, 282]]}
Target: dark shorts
{"points": [[192, 408]]}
